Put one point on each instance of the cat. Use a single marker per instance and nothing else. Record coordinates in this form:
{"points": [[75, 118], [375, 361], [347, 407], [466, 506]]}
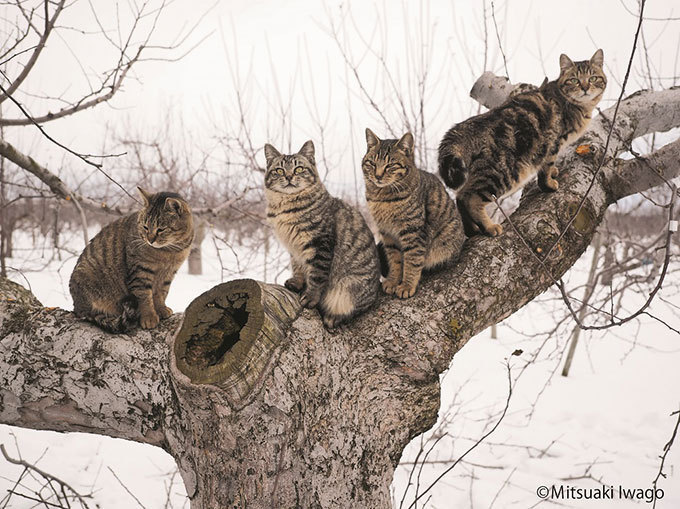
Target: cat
{"points": [[123, 276], [333, 253], [417, 219], [496, 153]]}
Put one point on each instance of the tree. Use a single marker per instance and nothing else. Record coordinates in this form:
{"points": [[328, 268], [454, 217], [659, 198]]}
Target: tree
{"points": [[259, 405]]}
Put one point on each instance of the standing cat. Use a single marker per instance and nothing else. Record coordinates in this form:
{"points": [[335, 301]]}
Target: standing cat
{"points": [[497, 152], [333, 255], [418, 222], [124, 274]]}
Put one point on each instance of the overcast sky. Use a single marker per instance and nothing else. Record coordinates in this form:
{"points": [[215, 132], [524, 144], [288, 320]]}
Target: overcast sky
{"points": [[283, 55]]}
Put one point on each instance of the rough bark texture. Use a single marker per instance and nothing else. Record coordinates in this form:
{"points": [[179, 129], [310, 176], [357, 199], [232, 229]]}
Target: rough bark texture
{"points": [[259, 404]]}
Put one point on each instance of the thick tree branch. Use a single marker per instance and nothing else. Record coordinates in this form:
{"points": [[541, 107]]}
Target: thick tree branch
{"points": [[61, 374], [643, 173]]}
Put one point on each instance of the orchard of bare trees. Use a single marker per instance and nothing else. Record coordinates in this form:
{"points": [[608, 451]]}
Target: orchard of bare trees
{"points": [[542, 357]]}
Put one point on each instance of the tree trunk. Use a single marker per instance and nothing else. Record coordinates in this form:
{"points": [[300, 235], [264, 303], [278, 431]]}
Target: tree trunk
{"points": [[258, 403]]}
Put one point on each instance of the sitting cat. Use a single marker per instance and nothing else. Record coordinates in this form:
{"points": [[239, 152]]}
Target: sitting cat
{"points": [[333, 255], [418, 222], [124, 274], [496, 153]]}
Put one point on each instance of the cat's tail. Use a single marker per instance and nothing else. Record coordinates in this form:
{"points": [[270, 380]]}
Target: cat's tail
{"points": [[452, 168], [120, 323]]}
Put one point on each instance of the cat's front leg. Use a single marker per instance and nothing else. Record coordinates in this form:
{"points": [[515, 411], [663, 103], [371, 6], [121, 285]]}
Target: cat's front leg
{"points": [[311, 295], [394, 264], [297, 282], [316, 280], [141, 286], [546, 178], [159, 297], [414, 260]]}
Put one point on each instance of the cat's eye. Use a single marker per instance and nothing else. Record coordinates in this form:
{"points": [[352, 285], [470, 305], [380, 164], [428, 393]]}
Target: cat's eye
{"points": [[593, 79], [298, 170], [279, 171], [146, 228], [370, 164], [161, 230], [573, 81], [392, 167]]}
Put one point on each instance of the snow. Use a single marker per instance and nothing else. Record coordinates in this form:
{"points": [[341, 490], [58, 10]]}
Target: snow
{"points": [[607, 422]]}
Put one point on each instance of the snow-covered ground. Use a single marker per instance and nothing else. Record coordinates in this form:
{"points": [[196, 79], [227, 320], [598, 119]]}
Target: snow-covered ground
{"points": [[604, 425]]}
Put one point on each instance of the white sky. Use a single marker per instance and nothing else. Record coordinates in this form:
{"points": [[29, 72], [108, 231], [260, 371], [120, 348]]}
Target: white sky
{"points": [[283, 53]]}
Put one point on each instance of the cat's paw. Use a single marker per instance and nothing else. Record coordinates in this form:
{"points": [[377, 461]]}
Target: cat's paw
{"points": [[404, 291], [295, 284], [149, 320], [310, 300], [552, 185], [389, 287], [494, 230], [164, 312], [547, 182], [331, 321]]}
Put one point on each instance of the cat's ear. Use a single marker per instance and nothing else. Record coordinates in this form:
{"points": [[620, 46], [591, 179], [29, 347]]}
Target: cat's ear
{"points": [[146, 196], [405, 144], [565, 62], [307, 150], [598, 58], [371, 139], [174, 205], [270, 153]]}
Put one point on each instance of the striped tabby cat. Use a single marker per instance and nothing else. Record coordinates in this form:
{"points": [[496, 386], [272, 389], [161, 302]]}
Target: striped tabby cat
{"points": [[124, 274], [333, 255], [418, 222], [497, 152]]}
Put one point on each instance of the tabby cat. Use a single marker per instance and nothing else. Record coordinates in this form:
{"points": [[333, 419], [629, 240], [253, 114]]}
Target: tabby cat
{"points": [[332, 250], [497, 152], [418, 222], [123, 276]]}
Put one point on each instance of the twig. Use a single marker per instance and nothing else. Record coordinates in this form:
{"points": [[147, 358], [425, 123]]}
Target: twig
{"points": [[47, 476], [666, 449], [126, 488]]}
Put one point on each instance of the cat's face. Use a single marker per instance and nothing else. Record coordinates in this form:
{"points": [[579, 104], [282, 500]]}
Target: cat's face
{"points": [[387, 162], [165, 220], [582, 82], [290, 174]]}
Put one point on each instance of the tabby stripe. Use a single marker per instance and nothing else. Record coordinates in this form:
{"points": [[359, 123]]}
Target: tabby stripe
{"points": [[388, 200]]}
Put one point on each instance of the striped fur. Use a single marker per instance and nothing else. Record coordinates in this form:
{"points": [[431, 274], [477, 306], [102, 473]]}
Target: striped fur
{"points": [[496, 153], [418, 222], [333, 255], [123, 276]]}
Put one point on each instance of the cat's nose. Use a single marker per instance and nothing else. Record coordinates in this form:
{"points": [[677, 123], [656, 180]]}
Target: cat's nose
{"points": [[152, 238]]}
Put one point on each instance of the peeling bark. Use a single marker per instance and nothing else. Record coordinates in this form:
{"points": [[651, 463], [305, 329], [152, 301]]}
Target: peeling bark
{"points": [[258, 403]]}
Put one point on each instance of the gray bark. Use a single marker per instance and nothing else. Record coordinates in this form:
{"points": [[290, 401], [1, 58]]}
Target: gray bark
{"points": [[257, 402]]}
